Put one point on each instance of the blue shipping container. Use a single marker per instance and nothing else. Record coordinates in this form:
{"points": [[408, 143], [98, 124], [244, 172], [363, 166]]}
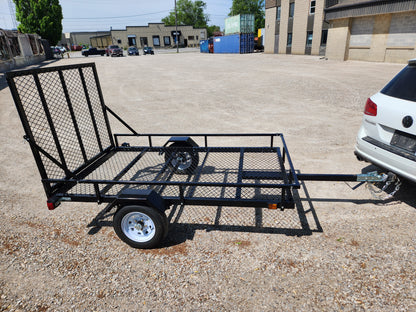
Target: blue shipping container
{"points": [[239, 43], [203, 46]]}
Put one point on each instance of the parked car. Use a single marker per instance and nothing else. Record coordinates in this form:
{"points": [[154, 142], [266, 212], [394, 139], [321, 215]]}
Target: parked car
{"points": [[148, 50], [114, 50], [132, 51], [75, 47], [56, 52], [93, 51], [387, 137], [63, 49]]}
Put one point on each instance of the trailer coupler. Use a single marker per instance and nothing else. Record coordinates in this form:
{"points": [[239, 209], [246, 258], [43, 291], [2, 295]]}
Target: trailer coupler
{"points": [[373, 177]]}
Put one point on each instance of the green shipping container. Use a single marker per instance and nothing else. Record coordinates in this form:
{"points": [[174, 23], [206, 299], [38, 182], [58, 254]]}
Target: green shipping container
{"points": [[239, 24]]}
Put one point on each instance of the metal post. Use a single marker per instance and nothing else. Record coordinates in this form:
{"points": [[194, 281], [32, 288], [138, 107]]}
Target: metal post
{"points": [[176, 31]]}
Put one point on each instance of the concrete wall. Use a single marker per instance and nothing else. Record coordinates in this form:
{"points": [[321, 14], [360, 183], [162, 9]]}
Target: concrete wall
{"points": [[378, 38], [30, 50], [338, 39], [269, 44]]}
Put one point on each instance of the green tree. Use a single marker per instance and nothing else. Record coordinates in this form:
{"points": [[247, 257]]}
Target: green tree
{"points": [[211, 29], [43, 17], [255, 7], [189, 13]]}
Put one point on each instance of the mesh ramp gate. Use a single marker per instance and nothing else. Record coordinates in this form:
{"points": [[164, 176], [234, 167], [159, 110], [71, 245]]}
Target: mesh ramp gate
{"points": [[64, 118]]}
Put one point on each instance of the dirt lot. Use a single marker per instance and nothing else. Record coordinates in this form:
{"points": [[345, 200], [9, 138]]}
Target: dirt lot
{"points": [[338, 249]]}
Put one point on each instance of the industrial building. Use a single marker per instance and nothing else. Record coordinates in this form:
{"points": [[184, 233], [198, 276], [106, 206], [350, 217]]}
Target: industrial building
{"points": [[295, 27], [155, 35], [377, 30], [80, 38], [158, 35], [380, 31]]}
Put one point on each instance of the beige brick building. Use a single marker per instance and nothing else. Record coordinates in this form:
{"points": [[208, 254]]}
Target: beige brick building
{"points": [[377, 30], [295, 27], [380, 31], [158, 35], [153, 35]]}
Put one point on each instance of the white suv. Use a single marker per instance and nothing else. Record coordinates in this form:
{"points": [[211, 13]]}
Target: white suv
{"points": [[387, 137]]}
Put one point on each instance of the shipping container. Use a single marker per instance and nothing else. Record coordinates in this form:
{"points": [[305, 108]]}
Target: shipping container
{"points": [[239, 43], [203, 46], [239, 24]]}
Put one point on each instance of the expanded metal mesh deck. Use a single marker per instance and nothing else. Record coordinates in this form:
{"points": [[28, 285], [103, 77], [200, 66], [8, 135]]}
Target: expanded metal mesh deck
{"points": [[223, 166]]}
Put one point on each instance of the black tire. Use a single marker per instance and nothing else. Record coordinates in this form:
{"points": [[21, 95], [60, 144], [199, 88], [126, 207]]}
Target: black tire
{"points": [[183, 152], [140, 226]]}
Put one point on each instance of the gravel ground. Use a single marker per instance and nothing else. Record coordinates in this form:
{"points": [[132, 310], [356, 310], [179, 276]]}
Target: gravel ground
{"points": [[339, 249]]}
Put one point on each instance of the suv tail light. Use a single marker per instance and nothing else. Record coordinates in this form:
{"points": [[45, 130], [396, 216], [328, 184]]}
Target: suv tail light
{"points": [[370, 108]]}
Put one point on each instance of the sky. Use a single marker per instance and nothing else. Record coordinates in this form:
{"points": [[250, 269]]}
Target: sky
{"points": [[100, 15]]}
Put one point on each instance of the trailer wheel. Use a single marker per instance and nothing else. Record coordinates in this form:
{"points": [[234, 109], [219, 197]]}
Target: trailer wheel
{"points": [[183, 153], [140, 226]]}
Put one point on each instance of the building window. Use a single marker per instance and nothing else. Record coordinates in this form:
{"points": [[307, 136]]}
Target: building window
{"points": [[166, 40], [309, 36], [132, 40], [291, 9], [312, 9], [143, 41], [324, 37], [156, 41], [279, 11], [289, 39], [191, 38]]}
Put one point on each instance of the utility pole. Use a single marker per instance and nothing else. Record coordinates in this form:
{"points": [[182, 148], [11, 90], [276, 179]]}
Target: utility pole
{"points": [[176, 31]]}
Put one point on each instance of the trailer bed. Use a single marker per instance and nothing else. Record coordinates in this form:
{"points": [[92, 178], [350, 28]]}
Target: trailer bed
{"points": [[232, 176], [67, 126]]}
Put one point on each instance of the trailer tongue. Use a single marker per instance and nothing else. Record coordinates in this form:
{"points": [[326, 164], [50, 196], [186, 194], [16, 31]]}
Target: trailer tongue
{"points": [[79, 158]]}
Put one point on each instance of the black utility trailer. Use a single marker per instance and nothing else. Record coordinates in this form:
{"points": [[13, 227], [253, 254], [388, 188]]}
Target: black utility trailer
{"points": [[79, 158]]}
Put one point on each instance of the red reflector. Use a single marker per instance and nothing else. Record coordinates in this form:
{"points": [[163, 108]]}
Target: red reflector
{"points": [[51, 206], [370, 108]]}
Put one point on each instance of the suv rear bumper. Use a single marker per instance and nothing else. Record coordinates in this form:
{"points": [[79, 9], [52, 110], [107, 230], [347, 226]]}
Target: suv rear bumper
{"points": [[387, 157]]}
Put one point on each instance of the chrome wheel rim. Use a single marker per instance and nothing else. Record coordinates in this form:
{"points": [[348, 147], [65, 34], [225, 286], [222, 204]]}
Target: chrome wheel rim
{"points": [[182, 159], [138, 227]]}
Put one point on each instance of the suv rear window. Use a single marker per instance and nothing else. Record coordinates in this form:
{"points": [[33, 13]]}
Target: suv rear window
{"points": [[403, 86]]}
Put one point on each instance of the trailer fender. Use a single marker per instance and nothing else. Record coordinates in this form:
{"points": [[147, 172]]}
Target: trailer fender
{"points": [[141, 197], [187, 140]]}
